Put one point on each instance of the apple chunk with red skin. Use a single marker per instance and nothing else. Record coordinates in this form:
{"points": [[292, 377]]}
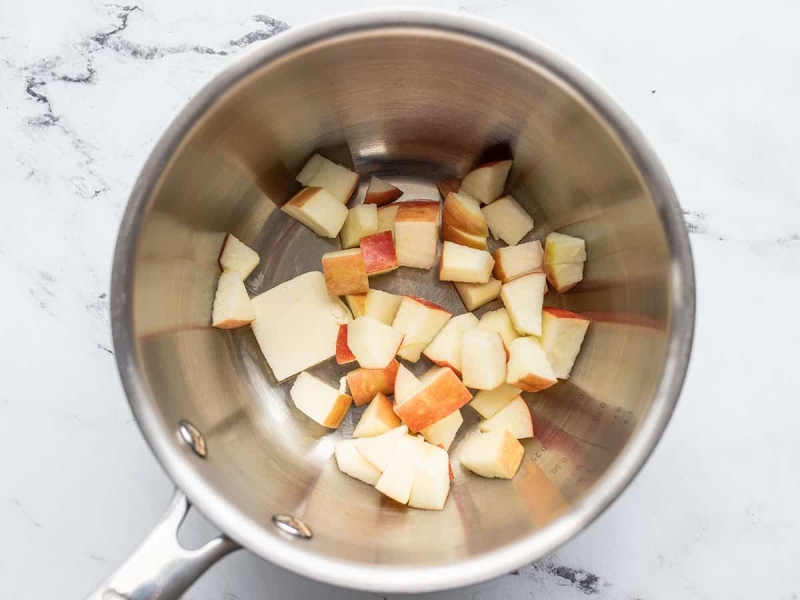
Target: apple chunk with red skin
{"points": [[362, 220], [492, 454], [365, 384], [465, 264], [345, 273], [523, 298], [416, 233], [445, 349], [511, 262], [320, 172], [377, 419], [319, 401], [487, 182], [562, 336], [452, 234], [443, 432], [528, 368], [463, 212], [386, 216], [318, 210], [379, 253], [236, 256], [373, 343], [436, 398], [232, 307], [514, 417], [380, 192], [419, 321], [344, 355]]}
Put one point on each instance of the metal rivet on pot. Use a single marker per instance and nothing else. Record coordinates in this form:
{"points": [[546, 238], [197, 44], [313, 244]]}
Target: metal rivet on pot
{"points": [[193, 438], [293, 526]]}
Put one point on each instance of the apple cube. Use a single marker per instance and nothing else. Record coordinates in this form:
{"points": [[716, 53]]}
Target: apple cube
{"points": [[507, 220], [416, 233], [483, 360], [448, 186], [487, 182], [232, 307], [514, 417], [380, 192], [451, 234], [499, 321], [528, 368], [419, 321], [344, 355], [378, 418], [492, 454], [345, 273], [398, 475], [236, 256], [318, 210], [436, 398], [562, 336], [365, 384], [475, 295], [351, 462], [379, 449], [373, 343], [386, 217], [560, 248], [564, 276], [488, 402], [319, 401], [431, 479], [462, 211], [465, 264], [523, 298], [320, 172], [357, 304], [405, 384], [380, 255], [297, 323], [442, 433], [445, 349], [382, 306], [362, 220], [511, 262]]}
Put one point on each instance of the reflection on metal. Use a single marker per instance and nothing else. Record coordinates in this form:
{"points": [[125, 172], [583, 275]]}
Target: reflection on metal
{"points": [[293, 526], [192, 436]]}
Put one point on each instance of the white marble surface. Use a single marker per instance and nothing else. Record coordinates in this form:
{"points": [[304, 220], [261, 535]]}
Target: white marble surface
{"points": [[86, 88]]}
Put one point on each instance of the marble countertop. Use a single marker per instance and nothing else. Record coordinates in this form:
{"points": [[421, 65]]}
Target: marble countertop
{"points": [[87, 87]]}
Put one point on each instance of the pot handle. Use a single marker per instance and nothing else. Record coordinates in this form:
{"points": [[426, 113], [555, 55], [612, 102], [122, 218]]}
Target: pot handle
{"points": [[160, 568]]}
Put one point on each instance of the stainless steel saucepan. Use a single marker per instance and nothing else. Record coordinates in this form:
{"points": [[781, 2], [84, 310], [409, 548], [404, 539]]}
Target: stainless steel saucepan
{"points": [[411, 96]]}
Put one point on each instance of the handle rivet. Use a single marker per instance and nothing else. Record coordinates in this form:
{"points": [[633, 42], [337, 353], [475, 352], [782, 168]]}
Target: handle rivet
{"points": [[193, 438], [293, 526]]}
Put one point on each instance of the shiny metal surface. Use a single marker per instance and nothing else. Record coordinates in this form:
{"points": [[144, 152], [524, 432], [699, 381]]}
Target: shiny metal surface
{"points": [[412, 97], [293, 526], [160, 567], [193, 438]]}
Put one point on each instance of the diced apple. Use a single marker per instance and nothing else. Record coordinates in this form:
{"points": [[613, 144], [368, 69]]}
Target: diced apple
{"points": [[487, 182], [451, 234], [448, 186], [431, 481], [492, 454], [373, 343], [499, 321], [507, 220], [565, 276], [344, 355], [232, 307], [511, 262], [515, 417], [442, 433], [364, 384], [416, 233], [435, 399], [319, 401], [462, 211], [475, 295], [297, 323], [523, 298], [445, 349], [398, 475], [238, 257], [488, 402], [419, 321], [379, 449], [380, 192], [380, 255], [362, 220], [318, 210], [483, 360], [345, 273], [386, 217], [528, 368], [560, 248], [357, 304], [323, 173], [405, 384], [562, 335], [382, 305], [465, 264], [351, 462], [378, 418]]}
